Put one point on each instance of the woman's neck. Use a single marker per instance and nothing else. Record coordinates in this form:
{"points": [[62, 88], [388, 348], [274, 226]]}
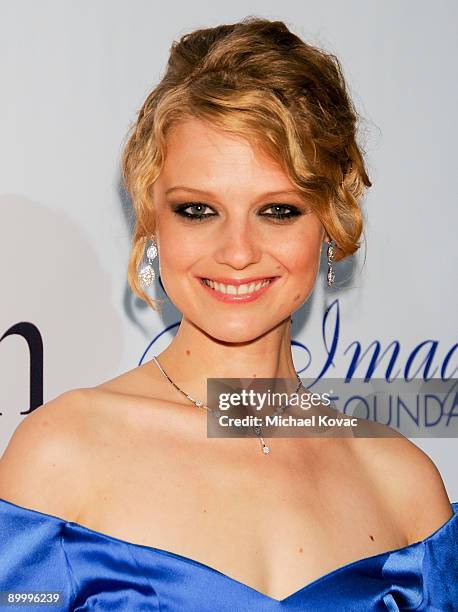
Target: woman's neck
{"points": [[193, 356]]}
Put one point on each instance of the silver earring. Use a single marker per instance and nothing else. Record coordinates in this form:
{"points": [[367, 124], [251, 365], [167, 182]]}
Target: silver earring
{"points": [[330, 276], [147, 275]]}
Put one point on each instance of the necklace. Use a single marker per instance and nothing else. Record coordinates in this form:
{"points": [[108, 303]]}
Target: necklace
{"points": [[199, 404]]}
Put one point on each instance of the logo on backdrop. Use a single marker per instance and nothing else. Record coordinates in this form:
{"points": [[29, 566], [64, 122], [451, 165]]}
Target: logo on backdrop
{"points": [[31, 334]]}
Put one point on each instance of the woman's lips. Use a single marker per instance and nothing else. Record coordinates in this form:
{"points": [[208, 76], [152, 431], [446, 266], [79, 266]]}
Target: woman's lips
{"points": [[237, 299]]}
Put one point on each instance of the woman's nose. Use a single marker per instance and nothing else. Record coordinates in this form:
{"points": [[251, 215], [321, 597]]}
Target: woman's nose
{"points": [[238, 245]]}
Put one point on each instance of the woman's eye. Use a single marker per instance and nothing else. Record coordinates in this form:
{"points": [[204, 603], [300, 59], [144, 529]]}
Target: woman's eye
{"points": [[279, 211], [198, 209]]}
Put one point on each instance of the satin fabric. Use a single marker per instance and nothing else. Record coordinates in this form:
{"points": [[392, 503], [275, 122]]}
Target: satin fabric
{"points": [[95, 571]]}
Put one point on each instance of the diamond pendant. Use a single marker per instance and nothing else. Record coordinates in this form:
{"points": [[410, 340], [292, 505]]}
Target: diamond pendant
{"points": [[146, 276], [265, 448]]}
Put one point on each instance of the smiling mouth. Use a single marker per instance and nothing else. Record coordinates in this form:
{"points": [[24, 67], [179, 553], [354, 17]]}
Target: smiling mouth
{"points": [[235, 290]]}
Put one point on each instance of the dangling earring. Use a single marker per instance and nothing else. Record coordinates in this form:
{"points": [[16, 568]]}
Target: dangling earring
{"points": [[147, 275], [330, 276]]}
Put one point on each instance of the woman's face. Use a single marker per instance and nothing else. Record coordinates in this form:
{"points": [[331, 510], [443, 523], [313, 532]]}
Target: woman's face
{"points": [[216, 200]]}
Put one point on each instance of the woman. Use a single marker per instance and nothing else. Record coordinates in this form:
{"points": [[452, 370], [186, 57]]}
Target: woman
{"points": [[242, 163]]}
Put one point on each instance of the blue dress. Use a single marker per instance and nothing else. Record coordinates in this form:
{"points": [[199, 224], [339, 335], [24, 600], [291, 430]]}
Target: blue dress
{"points": [[93, 571]]}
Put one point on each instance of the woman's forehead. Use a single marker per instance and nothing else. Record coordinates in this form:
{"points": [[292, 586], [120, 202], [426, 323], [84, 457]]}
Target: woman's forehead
{"points": [[198, 152]]}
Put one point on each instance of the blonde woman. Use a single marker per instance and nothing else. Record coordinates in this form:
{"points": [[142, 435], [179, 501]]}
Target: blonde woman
{"points": [[242, 165]]}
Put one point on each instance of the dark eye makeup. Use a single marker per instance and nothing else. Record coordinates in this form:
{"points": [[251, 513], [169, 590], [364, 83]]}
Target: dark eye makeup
{"points": [[279, 213]]}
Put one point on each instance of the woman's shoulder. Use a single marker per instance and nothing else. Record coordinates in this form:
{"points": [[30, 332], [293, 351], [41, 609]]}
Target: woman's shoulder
{"points": [[41, 466], [406, 478], [50, 457]]}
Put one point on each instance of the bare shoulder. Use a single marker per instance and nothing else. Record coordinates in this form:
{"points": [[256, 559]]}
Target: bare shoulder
{"points": [[57, 452], [407, 479], [44, 464]]}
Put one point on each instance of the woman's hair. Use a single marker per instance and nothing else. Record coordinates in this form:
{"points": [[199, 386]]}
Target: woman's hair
{"points": [[258, 80]]}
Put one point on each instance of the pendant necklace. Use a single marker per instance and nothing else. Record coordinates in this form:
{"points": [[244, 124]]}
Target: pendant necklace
{"points": [[199, 404]]}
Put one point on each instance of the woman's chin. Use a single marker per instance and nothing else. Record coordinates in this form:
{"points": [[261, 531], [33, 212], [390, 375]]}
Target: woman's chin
{"points": [[236, 332]]}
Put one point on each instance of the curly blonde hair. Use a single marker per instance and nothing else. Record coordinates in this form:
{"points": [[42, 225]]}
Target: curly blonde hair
{"points": [[258, 80]]}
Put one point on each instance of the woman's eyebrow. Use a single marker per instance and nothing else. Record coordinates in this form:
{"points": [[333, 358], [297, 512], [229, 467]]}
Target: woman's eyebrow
{"points": [[268, 194]]}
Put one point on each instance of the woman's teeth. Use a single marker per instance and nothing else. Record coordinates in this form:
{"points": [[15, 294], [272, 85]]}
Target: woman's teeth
{"points": [[237, 290]]}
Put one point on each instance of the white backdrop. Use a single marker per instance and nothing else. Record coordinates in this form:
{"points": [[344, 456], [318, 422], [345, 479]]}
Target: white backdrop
{"points": [[73, 74]]}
